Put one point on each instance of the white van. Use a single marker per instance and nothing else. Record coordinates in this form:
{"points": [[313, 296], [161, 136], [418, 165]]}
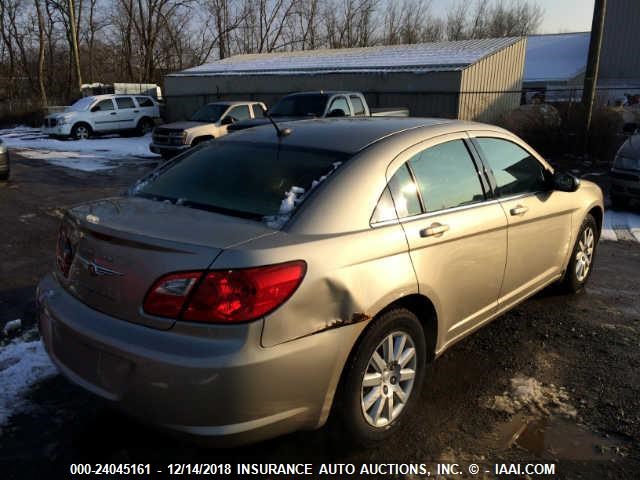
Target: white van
{"points": [[104, 114]]}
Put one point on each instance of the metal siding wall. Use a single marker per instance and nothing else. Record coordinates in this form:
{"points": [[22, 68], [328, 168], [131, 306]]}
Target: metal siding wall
{"points": [[500, 75], [434, 94], [621, 42]]}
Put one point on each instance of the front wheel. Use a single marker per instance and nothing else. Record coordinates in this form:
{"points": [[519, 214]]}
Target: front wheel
{"points": [[384, 377], [582, 256], [81, 131]]}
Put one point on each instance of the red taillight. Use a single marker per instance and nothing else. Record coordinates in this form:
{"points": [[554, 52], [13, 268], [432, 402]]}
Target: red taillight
{"points": [[226, 296], [167, 296]]}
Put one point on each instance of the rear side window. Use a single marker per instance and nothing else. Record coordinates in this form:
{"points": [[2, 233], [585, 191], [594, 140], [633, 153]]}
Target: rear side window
{"points": [[144, 101], [399, 199], [125, 102], [249, 180], [257, 111], [514, 169], [358, 106], [446, 176]]}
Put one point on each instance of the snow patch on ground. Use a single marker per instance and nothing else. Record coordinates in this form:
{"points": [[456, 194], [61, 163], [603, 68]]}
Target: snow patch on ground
{"points": [[616, 220], [529, 395], [22, 364], [90, 155]]}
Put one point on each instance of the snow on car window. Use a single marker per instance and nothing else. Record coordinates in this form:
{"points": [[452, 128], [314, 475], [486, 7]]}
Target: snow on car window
{"points": [[262, 182]]}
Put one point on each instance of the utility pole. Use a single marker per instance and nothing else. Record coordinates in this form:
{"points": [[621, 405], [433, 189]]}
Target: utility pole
{"points": [[593, 64]]}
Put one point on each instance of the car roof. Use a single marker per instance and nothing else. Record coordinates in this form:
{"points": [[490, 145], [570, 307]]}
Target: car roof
{"points": [[324, 92], [234, 102], [347, 135]]}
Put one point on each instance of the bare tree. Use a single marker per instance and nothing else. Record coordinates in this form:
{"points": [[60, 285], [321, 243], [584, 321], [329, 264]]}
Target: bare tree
{"points": [[41, 49]]}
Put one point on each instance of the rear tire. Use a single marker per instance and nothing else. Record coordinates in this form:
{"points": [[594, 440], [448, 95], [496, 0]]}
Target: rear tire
{"points": [[381, 384], [81, 131], [581, 263]]}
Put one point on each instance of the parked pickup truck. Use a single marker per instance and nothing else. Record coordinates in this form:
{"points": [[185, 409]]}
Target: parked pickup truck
{"points": [[209, 122], [303, 105]]}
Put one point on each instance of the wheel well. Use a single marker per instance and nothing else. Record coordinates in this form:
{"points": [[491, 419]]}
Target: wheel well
{"points": [[596, 213], [148, 119], [77, 124], [423, 308]]}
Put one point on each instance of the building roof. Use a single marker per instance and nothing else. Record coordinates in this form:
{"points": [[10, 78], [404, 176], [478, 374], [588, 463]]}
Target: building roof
{"points": [[421, 57], [556, 57]]}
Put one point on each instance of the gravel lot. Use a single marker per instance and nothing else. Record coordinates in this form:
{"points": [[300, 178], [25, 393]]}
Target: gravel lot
{"points": [[554, 380]]}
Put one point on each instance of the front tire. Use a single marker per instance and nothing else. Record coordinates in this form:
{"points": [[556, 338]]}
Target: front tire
{"points": [[81, 131], [582, 256], [384, 377]]}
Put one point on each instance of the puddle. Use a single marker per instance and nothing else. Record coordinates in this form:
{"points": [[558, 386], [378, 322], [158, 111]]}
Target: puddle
{"points": [[554, 437]]}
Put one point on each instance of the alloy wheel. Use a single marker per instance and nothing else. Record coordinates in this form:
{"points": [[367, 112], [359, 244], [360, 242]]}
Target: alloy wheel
{"points": [[388, 379], [584, 255], [82, 133]]}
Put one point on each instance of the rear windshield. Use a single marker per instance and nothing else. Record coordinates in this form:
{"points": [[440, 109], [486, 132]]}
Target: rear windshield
{"points": [[209, 113], [249, 180], [300, 106]]}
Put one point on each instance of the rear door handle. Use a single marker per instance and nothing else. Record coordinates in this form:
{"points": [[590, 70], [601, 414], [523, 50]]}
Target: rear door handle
{"points": [[136, 111], [435, 230], [112, 113], [519, 210]]}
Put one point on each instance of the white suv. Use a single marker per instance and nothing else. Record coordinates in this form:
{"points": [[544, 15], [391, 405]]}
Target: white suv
{"points": [[104, 114]]}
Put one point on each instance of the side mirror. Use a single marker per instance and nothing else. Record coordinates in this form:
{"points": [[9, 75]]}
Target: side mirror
{"points": [[227, 120], [565, 182]]}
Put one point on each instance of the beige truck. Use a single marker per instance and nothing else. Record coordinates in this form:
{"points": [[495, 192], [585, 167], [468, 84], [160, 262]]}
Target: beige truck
{"points": [[209, 122]]}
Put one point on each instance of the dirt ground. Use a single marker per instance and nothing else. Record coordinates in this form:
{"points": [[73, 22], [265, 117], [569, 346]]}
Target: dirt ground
{"points": [[567, 364]]}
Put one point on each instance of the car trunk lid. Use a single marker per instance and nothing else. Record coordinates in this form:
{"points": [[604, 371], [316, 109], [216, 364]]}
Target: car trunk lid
{"points": [[118, 247]]}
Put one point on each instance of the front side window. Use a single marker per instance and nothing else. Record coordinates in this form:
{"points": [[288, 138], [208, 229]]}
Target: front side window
{"points": [[516, 171], [125, 102], [103, 105], [241, 112], [446, 176], [340, 103]]}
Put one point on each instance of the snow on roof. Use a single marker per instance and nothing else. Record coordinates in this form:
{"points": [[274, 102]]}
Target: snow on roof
{"points": [[422, 57], [557, 57]]}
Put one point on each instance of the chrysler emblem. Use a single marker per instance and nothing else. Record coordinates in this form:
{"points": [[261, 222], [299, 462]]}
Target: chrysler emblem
{"points": [[97, 270]]}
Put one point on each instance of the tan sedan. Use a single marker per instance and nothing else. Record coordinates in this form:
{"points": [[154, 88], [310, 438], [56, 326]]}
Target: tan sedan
{"points": [[237, 288]]}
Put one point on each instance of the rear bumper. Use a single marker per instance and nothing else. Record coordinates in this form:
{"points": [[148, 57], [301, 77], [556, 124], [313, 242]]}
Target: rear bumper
{"points": [[220, 384]]}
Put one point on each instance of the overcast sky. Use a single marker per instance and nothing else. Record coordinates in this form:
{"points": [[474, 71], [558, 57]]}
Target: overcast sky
{"points": [[559, 15]]}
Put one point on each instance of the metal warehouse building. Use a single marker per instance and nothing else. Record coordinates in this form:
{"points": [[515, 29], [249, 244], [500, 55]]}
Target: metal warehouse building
{"points": [[471, 79]]}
